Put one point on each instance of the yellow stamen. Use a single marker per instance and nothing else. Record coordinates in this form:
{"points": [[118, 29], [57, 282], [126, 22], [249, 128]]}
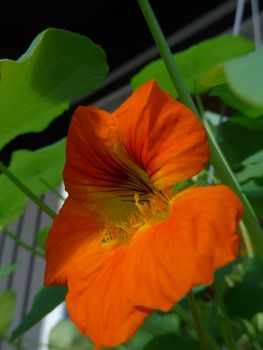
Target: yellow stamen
{"points": [[146, 212]]}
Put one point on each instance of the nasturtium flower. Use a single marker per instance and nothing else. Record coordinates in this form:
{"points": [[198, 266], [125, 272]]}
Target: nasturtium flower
{"points": [[123, 243]]}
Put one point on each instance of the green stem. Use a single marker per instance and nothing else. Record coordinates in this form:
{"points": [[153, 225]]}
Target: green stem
{"points": [[186, 317], [199, 104], [197, 320], [23, 244], [56, 193], [227, 329], [27, 191], [198, 100], [246, 240], [166, 54], [217, 158]]}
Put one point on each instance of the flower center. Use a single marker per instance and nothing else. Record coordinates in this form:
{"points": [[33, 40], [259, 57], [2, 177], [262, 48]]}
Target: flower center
{"points": [[146, 212]]}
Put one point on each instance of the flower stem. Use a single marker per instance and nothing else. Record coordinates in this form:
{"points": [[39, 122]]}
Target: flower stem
{"points": [[23, 244], [166, 55], [27, 191], [56, 193], [226, 328], [197, 320], [186, 317], [246, 240], [217, 158]]}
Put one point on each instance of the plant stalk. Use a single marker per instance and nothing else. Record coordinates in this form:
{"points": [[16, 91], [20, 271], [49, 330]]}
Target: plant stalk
{"points": [[217, 158], [186, 317], [27, 191], [23, 244], [226, 328], [197, 320]]}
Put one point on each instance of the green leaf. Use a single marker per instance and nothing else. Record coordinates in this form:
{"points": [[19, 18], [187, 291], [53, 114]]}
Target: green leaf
{"points": [[171, 342], [243, 76], [42, 236], [7, 307], [138, 341], [231, 136], [238, 142], [7, 270], [194, 63], [58, 67], [253, 189], [254, 159], [66, 336], [257, 204], [224, 93], [253, 168], [45, 301], [249, 123], [30, 167], [161, 323], [245, 299], [225, 270]]}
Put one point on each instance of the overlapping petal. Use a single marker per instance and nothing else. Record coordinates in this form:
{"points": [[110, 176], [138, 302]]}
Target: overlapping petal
{"points": [[98, 167], [76, 256], [151, 140], [200, 235], [98, 302], [162, 135], [90, 162], [73, 235], [113, 288]]}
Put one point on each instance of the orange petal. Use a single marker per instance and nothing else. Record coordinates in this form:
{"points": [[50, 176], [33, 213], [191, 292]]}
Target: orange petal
{"points": [[162, 135], [166, 260], [113, 288], [74, 231], [97, 165], [97, 302], [90, 165]]}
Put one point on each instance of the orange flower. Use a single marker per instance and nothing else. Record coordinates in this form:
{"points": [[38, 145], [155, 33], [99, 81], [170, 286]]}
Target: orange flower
{"points": [[122, 242]]}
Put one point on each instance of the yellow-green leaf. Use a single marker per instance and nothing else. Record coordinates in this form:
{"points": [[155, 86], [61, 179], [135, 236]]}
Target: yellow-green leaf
{"points": [[58, 67], [194, 63], [30, 167], [7, 306]]}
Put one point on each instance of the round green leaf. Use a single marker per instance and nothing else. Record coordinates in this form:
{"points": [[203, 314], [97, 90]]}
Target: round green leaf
{"points": [[42, 236], [7, 307], [58, 67], [171, 342], [30, 167], [245, 299], [7, 270], [249, 123], [161, 323], [239, 142], [138, 341], [194, 63], [253, 168], [245, 77], [225, 94], [66, 336]]}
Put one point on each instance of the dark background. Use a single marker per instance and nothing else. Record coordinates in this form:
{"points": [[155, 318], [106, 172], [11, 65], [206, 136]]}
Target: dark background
{"points": [[117, 25]]}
